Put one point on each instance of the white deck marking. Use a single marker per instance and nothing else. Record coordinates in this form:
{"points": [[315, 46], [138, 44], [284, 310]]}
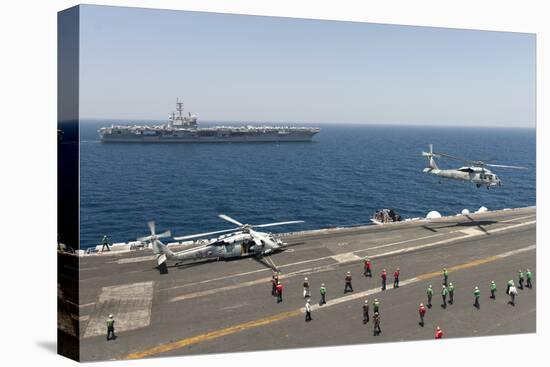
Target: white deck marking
{"points": [[515, 252], [403, 241], [452, 239], [130, 305], [472, 231], [511, 227], [130, 260], [518, 218], [346, 257]]}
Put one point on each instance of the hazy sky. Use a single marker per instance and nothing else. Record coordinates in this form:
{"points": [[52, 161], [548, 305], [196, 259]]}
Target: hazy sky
{"points": [[136, 62]]}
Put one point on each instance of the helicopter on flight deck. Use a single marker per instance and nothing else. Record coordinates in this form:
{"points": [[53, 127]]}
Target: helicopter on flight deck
{"points": [[243, 241]]}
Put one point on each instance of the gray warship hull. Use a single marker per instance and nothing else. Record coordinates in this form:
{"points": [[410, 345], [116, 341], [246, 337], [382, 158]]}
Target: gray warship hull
{"points": [[207, 135], [185, 129]]}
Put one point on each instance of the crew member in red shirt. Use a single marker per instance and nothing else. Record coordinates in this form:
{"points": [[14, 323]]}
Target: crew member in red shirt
{"points": [[421, 312], [367, 272], [274, 281], [384, 275], [396, 278], [279, 292], [438, 333]]}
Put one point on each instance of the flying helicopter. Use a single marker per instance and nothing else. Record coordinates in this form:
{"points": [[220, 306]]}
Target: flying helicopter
{"points": [[243, 241], [475, 172]]}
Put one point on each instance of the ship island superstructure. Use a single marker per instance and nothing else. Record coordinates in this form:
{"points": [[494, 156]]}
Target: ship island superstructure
{"points": [[185, 129]]}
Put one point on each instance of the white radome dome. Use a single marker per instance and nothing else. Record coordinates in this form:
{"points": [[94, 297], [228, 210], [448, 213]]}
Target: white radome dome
{"points": [[465, 211], [482, 210], [433, 214]]}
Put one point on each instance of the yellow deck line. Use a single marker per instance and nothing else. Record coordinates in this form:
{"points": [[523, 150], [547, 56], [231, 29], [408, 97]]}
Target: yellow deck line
{"points": [[168, 347], [212, 335], [459, 267]]}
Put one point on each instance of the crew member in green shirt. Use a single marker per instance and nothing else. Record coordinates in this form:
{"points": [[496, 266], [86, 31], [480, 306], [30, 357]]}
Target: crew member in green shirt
{"points": [[493, 288], [444, 293], [520, 279], [110, 328], [528, 275], [451, 289], [376, 306], [105, 243], [323, 292], [477, 292], [430, 293], [445, 276]]}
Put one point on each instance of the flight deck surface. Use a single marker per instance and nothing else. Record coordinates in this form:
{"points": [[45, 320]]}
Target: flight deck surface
{"points": [[227, 306]]}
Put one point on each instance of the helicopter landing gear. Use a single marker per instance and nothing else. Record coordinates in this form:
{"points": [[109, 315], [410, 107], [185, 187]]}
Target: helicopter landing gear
{"points": [[267, 262], [272, 263], [162, 268]]}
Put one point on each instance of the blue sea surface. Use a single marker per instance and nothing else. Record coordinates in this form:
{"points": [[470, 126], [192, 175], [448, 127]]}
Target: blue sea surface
{"points": [[339, 179]]}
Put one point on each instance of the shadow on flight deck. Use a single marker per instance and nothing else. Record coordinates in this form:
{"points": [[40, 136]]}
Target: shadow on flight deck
{"points": [[472, 223]]}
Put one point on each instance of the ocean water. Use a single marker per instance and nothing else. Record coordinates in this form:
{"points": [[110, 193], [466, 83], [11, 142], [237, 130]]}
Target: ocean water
{"points": [[340, 179]]}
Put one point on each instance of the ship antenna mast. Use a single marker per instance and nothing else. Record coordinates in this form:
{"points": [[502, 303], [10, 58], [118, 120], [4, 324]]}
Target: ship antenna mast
{"points": [[179, 108]]}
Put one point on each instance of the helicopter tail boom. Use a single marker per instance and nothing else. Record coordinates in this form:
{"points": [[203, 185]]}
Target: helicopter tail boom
{"points": [[162, 251]]}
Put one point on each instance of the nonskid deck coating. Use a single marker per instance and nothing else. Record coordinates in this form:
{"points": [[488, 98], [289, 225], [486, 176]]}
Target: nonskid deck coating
{"points": [[199, 295]]}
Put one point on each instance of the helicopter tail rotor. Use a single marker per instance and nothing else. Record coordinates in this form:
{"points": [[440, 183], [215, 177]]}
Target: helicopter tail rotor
{"points": [[159, 248], [431, 162], [154, 235]]}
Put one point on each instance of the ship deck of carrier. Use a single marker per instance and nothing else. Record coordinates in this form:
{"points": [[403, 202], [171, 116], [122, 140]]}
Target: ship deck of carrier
{"points": [[226, 306]]}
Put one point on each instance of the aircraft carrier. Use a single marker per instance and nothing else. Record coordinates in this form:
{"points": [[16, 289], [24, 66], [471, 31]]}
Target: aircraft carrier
{"points": [[227, 306], [184, 129]]}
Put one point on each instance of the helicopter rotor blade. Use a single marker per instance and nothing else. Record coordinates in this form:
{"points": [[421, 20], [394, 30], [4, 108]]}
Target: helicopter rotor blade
{"points": [[187, 237], [433, 155], [452, 157], [153, 235], [151, 225], [145, 239], [231, 220], [504, 166], [277, 224], [164, 234]]}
